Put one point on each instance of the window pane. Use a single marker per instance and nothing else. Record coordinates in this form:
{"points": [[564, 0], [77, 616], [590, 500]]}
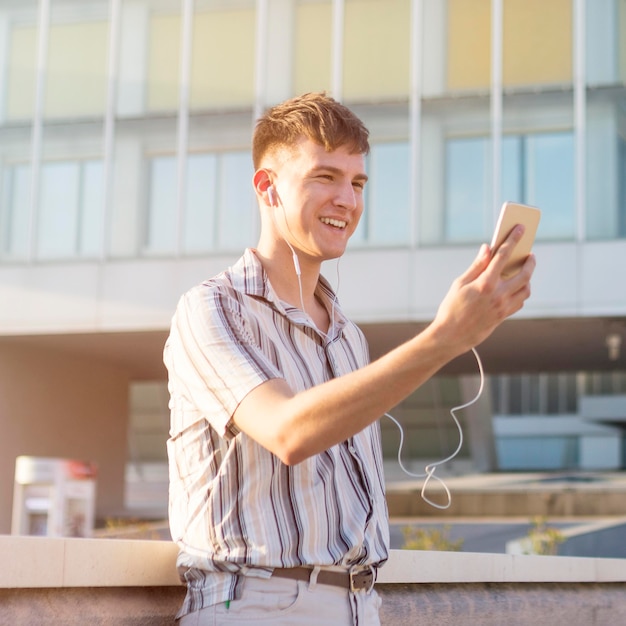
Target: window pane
{"points": [[468, 212], [537, 453], [57, 224], [163, 62], [237, 222], [15, 212], [606, 164], [469, 44], [20, 96], [76, 73], [512, 168], [199, 235], [377, 44], [312, 32], [91, 196], [388, 193], [218, 35], [162, 223], [549, 182], [537, 42], [602, 37], [455, 180]]}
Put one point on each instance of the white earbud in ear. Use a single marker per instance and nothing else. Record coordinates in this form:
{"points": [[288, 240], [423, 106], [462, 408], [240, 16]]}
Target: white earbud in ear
{"points": [[271, 194]]}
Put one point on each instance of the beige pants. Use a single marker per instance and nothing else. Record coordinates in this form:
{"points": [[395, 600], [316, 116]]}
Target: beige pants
{"points": [[284, 602]]}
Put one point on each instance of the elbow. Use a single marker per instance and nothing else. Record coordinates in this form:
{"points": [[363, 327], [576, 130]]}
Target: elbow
{"points": [[291, 451], [293, 458]]}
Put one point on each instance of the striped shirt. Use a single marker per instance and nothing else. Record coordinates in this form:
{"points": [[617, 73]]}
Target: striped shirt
{"points": [[235, 508]]}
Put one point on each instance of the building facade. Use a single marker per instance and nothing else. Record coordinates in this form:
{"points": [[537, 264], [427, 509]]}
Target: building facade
{"points": [[124, 166]]}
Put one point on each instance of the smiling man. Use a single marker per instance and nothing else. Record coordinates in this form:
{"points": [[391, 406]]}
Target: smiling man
{"points": [[276, 483]]}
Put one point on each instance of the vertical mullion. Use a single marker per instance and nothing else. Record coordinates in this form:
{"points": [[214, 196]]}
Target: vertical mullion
{"points": [[182, 135], [338, 22], [496, 103], [260, 86], [415, 119], [580, 116], [109, 125], [261, 54], [43, 35]]}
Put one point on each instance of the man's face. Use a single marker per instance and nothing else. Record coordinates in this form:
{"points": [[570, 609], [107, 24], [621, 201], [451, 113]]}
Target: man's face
{"points": [[321, 198]]}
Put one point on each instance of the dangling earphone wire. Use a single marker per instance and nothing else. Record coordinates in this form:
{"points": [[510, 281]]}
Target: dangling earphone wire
{"points": [[431, 468]]}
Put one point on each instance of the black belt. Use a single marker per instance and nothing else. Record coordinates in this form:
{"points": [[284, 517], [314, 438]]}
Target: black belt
{"points": [[357, 578]]}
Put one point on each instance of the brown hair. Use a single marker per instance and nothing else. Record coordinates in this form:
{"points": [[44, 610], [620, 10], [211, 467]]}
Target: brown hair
{"points": [[314, 116]]}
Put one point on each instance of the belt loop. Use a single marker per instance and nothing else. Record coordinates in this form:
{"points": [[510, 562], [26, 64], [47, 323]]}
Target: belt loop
{"points": [[313, 577]]}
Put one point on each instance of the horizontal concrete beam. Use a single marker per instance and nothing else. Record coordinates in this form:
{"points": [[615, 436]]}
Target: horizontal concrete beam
{"points": [[47, 562], [128, 583]]}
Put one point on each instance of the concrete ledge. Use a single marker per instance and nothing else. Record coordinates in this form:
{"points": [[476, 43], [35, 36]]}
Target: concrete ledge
{"points": [[130, 583], [45, 562]]}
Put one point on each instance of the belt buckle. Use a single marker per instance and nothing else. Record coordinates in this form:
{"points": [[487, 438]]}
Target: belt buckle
{"points": [[362, 577]]}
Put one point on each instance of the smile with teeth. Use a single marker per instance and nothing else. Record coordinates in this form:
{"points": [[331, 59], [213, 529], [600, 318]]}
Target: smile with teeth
{"points": [[331, 222]]}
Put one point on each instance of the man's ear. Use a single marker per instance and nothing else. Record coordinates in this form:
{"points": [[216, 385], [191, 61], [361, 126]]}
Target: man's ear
{"points": [[262, 181]]}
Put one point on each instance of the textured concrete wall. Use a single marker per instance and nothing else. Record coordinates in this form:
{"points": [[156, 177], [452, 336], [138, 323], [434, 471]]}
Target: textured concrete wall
{"points": [[478, 604]]}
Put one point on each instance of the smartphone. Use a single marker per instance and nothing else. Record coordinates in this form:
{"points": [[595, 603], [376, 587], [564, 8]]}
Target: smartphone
{"points": [[512, 214]]}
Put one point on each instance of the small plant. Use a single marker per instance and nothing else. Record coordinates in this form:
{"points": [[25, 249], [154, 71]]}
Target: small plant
{"points": [[431, 539], [543, 539]]}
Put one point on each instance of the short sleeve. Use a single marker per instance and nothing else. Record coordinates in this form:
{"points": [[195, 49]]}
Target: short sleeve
{"points": [[212, 357]]}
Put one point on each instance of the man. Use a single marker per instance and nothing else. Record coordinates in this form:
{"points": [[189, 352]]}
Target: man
{"points": [[276, 485]]}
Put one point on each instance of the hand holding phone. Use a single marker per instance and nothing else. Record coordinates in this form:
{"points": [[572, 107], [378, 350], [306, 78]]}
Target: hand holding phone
{"points": [[512, 214]]}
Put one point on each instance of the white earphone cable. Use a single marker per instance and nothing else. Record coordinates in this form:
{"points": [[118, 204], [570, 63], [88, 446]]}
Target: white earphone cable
{"points": [[429, 470]]}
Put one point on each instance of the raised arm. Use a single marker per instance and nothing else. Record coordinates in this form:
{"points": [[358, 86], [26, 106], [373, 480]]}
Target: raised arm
{"points": [[296, 426]]}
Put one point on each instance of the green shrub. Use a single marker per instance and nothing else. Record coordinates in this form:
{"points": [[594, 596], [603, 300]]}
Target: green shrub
{"points": [[431, 539]]}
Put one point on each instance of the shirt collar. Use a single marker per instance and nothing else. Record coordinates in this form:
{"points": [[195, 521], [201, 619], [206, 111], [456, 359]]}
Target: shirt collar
{"points": [[249, 277]]}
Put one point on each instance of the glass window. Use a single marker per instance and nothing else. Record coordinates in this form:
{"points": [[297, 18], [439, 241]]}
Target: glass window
{"points": [[162, 226], [163, 62], [236, 205], [313, 31], [606, 164], [218, 35], [455, 179], [91, 203], [70, 208], [537, 453], [537, 42], [15, 212], [377, 49], [388, 215], [456, 46], [468, 214], [21, 72], [199, 232], [602, 41], [219, 212], [538, 169], [545, 393], [548, 182], [57, 220], [76, 70], [468, 44]]}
